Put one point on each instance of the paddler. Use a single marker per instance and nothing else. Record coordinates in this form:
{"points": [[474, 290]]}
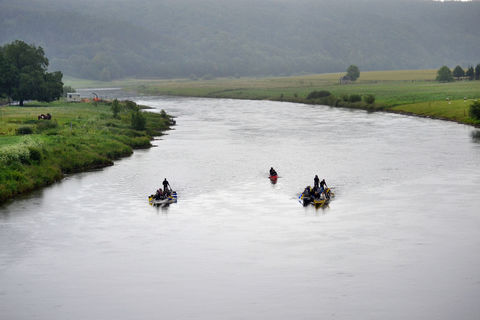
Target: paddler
{"points": [[306, 192], [166, 185], [316, 181], [273, 172], [323, 185]]}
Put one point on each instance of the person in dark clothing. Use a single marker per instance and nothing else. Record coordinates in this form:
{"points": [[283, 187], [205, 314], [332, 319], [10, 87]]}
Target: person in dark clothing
{"points": [[166, 185], [306, 192], [273, 172], [323, 184], [158, 194], [316, 180]]}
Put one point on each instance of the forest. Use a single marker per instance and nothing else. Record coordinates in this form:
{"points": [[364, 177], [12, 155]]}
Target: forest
{"points": [[112, 39]]}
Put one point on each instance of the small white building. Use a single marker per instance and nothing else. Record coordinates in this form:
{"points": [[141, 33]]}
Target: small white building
{"points": [[73, 97]]}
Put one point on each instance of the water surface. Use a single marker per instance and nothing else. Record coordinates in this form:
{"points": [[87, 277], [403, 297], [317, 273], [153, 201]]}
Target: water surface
{"points": [[400, 241]]}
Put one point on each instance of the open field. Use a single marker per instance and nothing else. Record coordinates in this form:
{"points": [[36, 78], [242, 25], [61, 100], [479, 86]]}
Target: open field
{"points": [[456, 110], [390, 88], [79, 137]]}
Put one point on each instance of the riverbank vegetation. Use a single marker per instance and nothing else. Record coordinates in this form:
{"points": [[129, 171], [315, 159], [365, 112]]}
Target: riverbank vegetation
{"points": [[80, 136], [378, 90], [417, 90], [390, 88]]}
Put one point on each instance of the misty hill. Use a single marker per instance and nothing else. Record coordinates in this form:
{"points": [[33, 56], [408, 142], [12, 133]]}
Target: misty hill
{"points": [[105, 39]]}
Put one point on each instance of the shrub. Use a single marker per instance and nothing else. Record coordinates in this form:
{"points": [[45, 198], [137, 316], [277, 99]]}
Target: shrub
{"points": [[46, 124], [163, 114], [35, 154], [354, 98], [474, 111], [111, 124], [24, 130], [130, 105], [115, 108], [138, 121], [318, 94], [369, 98]]}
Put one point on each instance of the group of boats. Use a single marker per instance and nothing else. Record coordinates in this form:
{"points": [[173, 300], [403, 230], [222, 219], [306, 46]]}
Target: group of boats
{"points": [[318, 196]]}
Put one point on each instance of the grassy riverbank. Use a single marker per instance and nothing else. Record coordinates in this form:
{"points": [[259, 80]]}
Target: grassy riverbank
{"points": [[410, 91], [79, 137]]}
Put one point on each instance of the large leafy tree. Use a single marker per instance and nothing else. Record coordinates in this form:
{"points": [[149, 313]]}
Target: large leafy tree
{"points": [[8, 76], [444, 74], [353, 72], [26, 75]]}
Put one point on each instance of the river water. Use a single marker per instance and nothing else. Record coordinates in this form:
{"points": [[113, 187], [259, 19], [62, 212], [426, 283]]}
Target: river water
{"points": [[401, 240]]}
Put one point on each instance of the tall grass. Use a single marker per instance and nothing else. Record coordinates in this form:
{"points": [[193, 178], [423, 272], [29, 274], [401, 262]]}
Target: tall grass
{"points": [[78, 138]]}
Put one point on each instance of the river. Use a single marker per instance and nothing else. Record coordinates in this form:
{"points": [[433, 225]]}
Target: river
{"points": [[401, 239]]}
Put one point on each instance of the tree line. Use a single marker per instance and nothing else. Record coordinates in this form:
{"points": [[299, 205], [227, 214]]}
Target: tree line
{"points": [[24, 76], [444, 74]]}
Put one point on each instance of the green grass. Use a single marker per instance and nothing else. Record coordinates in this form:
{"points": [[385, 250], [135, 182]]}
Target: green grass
{"points": [[456, 110], [80, 136], [390, 88], [387, 92]]}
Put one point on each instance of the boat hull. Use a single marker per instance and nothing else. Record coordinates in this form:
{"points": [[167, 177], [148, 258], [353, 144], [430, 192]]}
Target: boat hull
{"points": [[316, 202], [163, 202], [273, 179]]}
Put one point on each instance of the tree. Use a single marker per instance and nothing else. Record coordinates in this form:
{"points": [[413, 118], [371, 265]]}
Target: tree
{"points": [[444, 74], [470, 73], [27, 73], [353, 72], [458, 72], [477, 72], [68, 89], [7, 76], [52, 87]]}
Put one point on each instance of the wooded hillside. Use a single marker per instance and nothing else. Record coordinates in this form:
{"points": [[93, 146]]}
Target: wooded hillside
{"points": [[109, 39]]}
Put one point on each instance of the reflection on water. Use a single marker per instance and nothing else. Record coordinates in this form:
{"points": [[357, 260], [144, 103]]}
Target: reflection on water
{"points": [[399, 241], [476, 136]]}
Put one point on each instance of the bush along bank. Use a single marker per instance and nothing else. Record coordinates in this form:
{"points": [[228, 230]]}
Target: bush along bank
{"points": [[79, 137], [352, 101]]}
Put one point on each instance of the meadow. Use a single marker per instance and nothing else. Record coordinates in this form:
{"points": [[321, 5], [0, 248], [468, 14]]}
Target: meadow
{"points": [[391, 88], [80, 136], [409, 91]]}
